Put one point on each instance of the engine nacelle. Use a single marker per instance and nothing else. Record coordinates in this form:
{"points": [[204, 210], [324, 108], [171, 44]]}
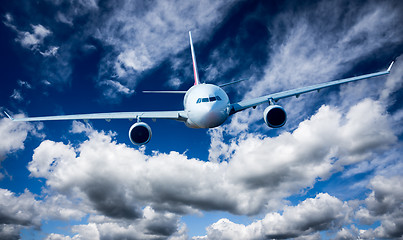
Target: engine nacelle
{"points": [[275, 116], [140, 133]]}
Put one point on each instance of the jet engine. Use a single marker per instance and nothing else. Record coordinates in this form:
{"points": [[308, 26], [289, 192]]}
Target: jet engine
{"points": [[140, 133], [275, 116]]}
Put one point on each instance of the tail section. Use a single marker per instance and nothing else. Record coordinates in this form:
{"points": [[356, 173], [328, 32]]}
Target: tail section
{"points": [[196, 73]]}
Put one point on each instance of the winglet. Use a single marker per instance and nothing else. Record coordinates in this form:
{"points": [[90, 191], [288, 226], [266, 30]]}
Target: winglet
{"points": [[196, 74], [390, 66], [8, 115]]}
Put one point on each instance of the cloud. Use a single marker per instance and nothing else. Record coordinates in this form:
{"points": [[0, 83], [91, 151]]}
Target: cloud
{"points": [[10, 232], [117, 181], [52, 51], [17, 95], [319, 43], [311, 50], [323, 212], [132, 39], [347, 234], [174, 83], [114, 89], [16, 133], [394, 81], [52, 66], [142, 35], [128, 193], [152, 225], [25, 211], [24, 84], [218, 65], [44, 161], [21, 210], [32, 40], [384, 203], [155, 22], [68, 11]]}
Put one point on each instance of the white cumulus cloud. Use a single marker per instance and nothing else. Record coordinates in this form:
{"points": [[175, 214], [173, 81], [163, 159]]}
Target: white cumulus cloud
{"points": [[384, 204], [116, 181], [311, 215], [14, 135]]}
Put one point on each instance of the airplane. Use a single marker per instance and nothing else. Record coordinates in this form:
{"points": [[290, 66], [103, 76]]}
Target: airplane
{"points": [[205, 106]]}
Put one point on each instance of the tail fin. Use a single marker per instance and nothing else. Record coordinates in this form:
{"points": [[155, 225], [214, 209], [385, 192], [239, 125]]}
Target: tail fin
{"points": [[196, 74]]}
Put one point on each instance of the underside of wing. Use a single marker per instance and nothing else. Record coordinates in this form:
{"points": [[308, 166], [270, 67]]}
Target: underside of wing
{"points": [[175, 115]]}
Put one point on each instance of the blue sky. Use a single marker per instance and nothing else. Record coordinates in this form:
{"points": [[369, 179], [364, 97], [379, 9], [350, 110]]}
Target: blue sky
{"points": [[334, 171]]}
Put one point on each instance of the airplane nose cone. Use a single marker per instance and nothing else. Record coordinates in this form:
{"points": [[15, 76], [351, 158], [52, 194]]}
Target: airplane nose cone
{"points": [[211, 116]]}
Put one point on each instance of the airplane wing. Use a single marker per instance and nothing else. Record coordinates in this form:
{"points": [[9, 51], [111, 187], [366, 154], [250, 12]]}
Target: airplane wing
{"points": [[175, 115], [242, 105]]}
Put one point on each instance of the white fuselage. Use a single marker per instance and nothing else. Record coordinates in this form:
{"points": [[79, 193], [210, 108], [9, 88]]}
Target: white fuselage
{"points": [[206, 106]]}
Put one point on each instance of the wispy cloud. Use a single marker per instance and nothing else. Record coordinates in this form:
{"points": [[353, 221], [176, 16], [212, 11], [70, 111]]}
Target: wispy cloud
{"points": [[114, 89], [34, 39], [49, 52], [138, 35], [17, 95], [320, 43], [143, 35]]}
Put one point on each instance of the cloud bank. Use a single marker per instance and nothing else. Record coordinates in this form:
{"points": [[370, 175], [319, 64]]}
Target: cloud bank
{"points": [[120, 185]]}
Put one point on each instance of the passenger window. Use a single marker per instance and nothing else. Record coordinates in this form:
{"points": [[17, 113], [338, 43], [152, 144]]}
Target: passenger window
{"points": [[198, 100], [212, 99], [204, 99], [218, 98]]}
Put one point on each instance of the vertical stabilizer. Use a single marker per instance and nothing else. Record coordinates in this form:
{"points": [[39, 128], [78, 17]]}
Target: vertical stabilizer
{"points": [[196, 73]]}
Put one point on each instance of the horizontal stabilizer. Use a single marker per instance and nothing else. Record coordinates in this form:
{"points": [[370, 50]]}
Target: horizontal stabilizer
{"points": [[181, 92], [230, 83]]}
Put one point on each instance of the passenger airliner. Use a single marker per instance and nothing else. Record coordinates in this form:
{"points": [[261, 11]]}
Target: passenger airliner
{"points": [[205, 106]]}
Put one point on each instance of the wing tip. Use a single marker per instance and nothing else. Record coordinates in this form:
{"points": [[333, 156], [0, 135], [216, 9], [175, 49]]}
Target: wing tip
{"points": [[390, 66], [8, 115]]}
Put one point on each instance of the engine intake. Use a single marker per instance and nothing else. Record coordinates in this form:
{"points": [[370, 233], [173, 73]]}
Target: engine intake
{"points": [[140, 133], [275, 116]]}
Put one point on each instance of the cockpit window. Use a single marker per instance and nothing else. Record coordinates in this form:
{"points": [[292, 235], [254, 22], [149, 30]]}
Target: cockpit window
{"points": [[209, 99]]}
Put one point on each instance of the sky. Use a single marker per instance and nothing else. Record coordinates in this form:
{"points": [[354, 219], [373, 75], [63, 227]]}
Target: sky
{"points": [[334, 171]]}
